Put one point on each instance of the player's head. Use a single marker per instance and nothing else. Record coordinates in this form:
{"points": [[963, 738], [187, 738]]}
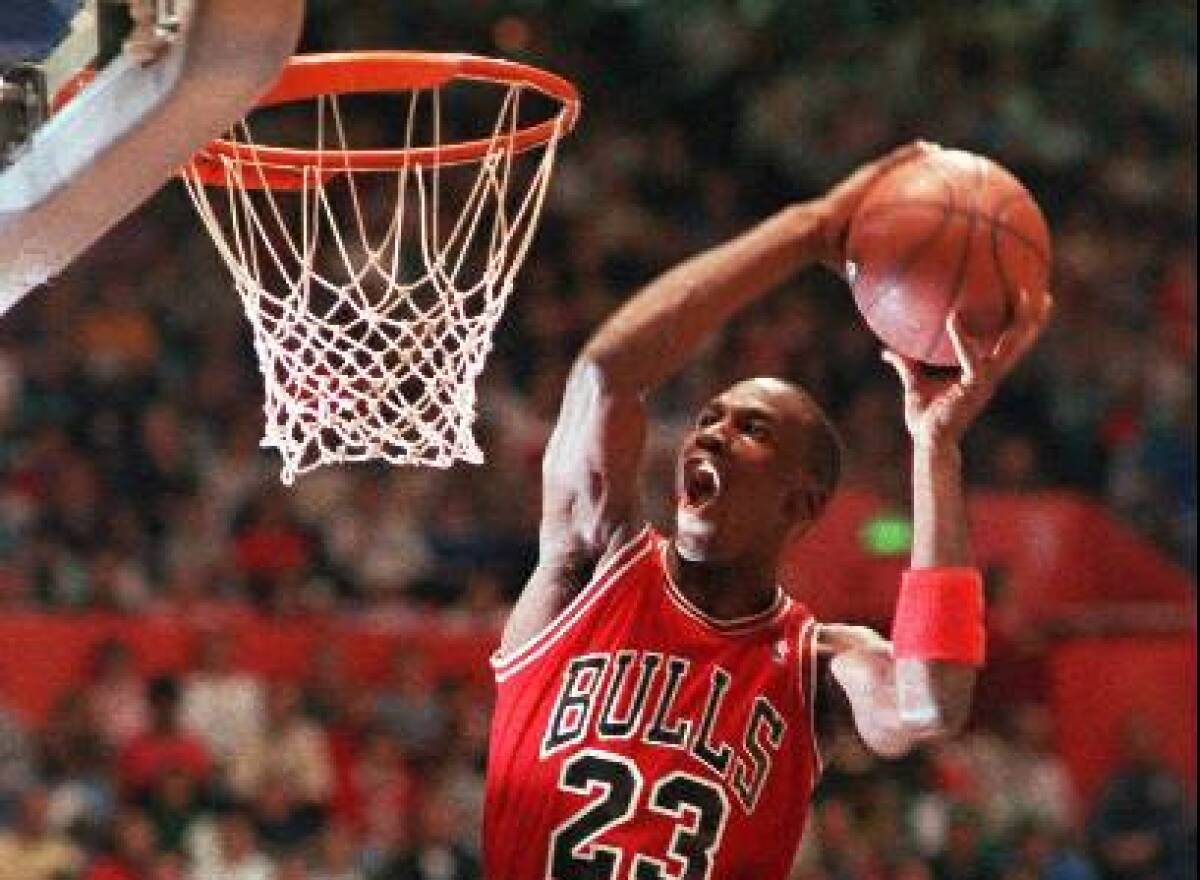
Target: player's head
{"points": [[758, 465]]}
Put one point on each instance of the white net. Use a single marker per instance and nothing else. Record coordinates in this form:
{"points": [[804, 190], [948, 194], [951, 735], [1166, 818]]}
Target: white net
{"points": [[373, 295]]}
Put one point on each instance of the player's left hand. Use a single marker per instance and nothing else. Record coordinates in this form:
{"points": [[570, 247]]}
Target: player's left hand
{"points": [[938, 411]]}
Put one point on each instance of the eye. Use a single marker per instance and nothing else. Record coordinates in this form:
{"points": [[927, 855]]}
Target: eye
{"points": [[757, 429], [706, 418]]}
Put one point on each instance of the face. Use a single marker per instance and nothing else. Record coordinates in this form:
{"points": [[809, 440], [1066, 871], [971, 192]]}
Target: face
{"points": [[135, 837], [740, 475]]}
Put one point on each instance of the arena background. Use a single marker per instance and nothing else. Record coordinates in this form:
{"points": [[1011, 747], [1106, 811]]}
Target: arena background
{"points": [[324, 646]]}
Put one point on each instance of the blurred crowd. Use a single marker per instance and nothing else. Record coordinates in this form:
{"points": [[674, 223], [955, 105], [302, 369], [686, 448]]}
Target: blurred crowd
{"points": [[217, 774], [131, 477]]}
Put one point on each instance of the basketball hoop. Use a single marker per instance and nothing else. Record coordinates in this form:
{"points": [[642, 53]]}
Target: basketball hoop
{"points": [[373, 277]]}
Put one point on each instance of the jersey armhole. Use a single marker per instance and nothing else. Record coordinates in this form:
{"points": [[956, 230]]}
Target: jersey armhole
{"points": [[609, 571]]}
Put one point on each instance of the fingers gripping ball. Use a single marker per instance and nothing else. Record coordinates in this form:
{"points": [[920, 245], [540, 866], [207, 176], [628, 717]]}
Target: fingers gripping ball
{"points": [[947, 231]]}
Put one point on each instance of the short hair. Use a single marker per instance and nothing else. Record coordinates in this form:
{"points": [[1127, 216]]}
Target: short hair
{"points": [[162, 690], [822, 445], [822, 449]]}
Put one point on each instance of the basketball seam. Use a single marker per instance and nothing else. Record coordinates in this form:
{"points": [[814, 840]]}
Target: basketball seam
{"points": [[914, 254], [1002, 274], [960, 273], [961, 212]]}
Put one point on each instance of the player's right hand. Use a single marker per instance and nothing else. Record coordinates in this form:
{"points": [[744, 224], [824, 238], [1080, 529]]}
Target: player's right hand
{"points": [[836, 208]]}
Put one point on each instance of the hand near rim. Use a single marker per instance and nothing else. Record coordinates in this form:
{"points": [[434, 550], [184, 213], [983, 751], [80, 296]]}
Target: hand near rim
{"points": [[938, 411]]}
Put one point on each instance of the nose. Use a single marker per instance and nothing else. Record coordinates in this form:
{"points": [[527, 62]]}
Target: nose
{"points": [[713, 437]]}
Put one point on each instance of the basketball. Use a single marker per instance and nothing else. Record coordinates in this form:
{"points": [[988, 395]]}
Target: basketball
{"points": [[950, 230]]}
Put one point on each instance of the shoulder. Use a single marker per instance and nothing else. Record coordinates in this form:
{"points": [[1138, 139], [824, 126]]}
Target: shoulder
{"points": [[572, 573], [564, 588]]}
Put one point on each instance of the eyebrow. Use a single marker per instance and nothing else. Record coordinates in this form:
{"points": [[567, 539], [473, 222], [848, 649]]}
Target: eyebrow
{"points": [[754, 410], [760, 412]]}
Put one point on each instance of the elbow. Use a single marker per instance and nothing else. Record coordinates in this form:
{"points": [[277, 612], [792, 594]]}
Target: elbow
{"points": [[592, 371], [599, 371], [906, 731], [909, 733], [595, 358], [934, 700]]}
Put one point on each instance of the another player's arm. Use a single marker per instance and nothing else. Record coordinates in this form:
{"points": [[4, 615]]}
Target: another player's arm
{"points": [[590, 468], [899, 701]]}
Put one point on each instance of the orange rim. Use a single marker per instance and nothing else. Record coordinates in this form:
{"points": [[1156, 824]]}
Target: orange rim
{"points": [[306, 76]]}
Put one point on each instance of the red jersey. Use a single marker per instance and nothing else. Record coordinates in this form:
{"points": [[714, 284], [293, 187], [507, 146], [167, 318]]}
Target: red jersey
{"points": [[636, 738]]}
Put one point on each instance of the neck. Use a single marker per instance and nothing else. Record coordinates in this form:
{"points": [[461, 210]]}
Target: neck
{"points": [[725, 591]]}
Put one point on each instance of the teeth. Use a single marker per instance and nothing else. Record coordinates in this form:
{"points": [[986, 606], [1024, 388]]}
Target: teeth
{"points": [[702, 482]]}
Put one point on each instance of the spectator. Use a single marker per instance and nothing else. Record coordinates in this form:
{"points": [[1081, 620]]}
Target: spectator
{"points": [[116, 694], [173, 805], [834, 846], [292, 866], [270, 547], [289, 747], [229, 850], [16, 763], [385, 793], [1038, 853], [283, 817], [116, 336], [336, 856], [1038, 781], [966, 854], [76, 767], [133, 852], [408, 707], [375, 538], [220, 703], [1139, 830], [31, 850], [435, 853], [163, 746], [325, 687]]}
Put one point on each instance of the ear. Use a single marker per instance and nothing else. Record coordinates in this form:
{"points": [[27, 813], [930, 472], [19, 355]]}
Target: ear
{"points": [[802, 504]]}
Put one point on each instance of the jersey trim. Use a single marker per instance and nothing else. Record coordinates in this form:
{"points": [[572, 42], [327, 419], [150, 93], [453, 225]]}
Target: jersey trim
{"points": [[807, 644], [736, 626], [609, 572]]}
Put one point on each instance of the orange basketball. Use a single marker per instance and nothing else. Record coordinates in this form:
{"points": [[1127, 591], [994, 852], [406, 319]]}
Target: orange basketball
{"points": [[950, 230]]}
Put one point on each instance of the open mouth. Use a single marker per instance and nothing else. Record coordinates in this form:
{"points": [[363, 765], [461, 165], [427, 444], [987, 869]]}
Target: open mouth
{"points": [[701, 482]]}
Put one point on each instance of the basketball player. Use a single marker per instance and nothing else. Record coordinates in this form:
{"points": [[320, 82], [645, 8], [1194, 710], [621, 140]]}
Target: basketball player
{"points": [[658, 696]]}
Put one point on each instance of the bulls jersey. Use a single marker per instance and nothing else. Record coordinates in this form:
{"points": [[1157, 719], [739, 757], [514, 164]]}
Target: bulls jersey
{"points": [[636, 738]]}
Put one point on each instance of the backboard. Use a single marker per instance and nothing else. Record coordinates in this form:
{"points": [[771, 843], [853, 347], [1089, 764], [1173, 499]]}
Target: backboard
{"points": [[181, 77]]}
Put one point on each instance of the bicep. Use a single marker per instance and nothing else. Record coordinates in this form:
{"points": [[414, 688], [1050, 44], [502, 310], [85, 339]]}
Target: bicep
{"points": [[589, 497], [867, 679], [590, 468], [858, 689]]}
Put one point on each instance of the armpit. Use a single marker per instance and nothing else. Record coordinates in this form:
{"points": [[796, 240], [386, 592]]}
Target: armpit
{"points": [[834, 717]]}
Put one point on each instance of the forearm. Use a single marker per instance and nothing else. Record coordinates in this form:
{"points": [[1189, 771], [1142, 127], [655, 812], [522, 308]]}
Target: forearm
{"points": [[940, 538], [938, 631], [651, 337], [934, 696]]}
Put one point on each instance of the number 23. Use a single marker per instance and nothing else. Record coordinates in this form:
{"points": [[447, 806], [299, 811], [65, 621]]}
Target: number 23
{"points": [[699, 808]]}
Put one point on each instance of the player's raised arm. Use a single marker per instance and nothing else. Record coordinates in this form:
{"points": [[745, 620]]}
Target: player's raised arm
{"points": [[919, 686], [590, 467]]}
